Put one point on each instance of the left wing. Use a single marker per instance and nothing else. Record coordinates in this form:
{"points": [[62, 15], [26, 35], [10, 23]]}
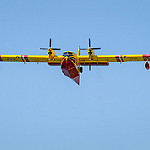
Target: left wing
{"points": [[96, 60], [124, 58]]}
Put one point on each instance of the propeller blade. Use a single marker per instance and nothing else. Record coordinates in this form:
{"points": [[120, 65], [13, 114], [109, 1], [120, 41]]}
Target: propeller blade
{"points": [[90, 48], [43, 48], [56, 49], [89, 67], [96, 48], [83, 48], [89, 42], [50, 43]]}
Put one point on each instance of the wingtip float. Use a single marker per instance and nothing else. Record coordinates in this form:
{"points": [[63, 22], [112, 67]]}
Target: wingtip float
{"points": [[71, 64]]}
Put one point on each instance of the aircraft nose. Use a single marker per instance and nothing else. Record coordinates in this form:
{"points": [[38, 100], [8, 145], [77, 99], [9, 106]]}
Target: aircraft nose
{"points": [[66, 57]]}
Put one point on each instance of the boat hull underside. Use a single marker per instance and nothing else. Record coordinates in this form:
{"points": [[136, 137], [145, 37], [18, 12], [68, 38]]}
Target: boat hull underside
{"points": [[69, 69]]}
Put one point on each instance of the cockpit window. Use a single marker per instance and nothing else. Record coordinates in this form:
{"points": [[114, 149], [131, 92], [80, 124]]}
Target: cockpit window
{"points": [[68, 54]]}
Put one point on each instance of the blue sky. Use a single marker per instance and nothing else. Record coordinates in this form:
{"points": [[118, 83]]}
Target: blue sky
{"points": [[42, 109]]}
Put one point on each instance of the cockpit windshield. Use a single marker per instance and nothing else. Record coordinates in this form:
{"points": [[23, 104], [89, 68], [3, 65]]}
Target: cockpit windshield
{"points": [[67, 54]]}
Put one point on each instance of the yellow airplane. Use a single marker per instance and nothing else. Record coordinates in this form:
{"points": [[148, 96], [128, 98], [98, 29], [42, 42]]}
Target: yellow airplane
{"points": [[71, 63]]}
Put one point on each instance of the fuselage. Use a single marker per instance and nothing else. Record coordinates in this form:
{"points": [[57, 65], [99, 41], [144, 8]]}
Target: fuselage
{"points": [[69, 66]]}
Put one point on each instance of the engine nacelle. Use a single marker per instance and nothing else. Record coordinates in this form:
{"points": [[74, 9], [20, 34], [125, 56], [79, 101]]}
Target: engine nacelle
{"points": [[147, 65]]}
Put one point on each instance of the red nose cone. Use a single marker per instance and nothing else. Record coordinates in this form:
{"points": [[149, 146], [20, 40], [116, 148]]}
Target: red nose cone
{"points": [[69, 69], [147, 65]]}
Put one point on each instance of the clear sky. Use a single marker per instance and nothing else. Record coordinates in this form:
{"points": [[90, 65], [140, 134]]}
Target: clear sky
{"points": [[41, 109]]}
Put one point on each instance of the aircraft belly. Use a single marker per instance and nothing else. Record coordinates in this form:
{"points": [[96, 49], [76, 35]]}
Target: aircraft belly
{"points": [[69, 69]]}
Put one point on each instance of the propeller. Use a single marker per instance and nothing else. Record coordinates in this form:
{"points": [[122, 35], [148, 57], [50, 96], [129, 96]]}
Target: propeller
{"points": [[50, 48], [90, 51]]}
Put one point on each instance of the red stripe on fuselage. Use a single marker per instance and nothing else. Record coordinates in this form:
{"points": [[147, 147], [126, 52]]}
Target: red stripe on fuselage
{"points": [[146, 57], [118, 58], [26, 58], [122, 59], [22, 58], [0, 58]]}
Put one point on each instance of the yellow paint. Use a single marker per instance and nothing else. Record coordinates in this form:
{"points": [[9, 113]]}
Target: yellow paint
{"points": [[80, 58]]}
